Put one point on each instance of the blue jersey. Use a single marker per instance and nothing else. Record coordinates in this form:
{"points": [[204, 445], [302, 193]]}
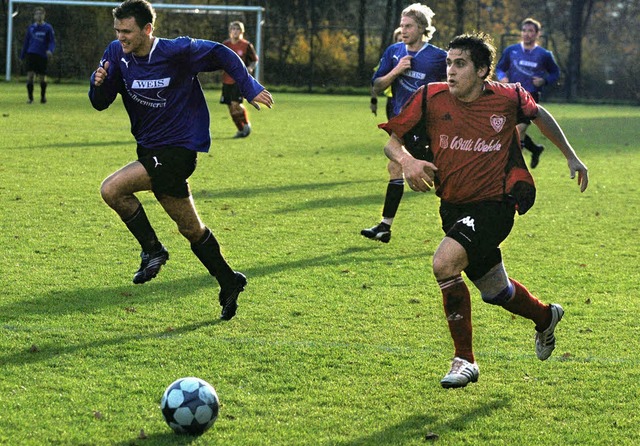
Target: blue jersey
{"points": [[38, 40], [521, 65], [429, 64], [161, 92]]}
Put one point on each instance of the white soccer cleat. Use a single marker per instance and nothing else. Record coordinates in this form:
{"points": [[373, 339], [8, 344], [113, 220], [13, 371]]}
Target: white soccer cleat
{"points": [[462, 373], [545, 340]]}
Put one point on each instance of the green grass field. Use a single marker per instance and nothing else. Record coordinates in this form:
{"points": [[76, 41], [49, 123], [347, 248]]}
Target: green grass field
{"points": [[338, 340]]}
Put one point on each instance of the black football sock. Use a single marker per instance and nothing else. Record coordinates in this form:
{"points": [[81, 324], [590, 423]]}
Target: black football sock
{"points": [[395, 190], [207, 250], [529, 144], [43, 90], [30, 90], [141, 229]]}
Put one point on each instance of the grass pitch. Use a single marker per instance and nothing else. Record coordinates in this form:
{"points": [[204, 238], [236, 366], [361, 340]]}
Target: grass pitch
{"points": [[338, 340]]}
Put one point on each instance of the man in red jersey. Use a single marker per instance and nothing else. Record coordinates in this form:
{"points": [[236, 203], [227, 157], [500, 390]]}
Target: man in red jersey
{"points": [[230, 92], [480, 176]]}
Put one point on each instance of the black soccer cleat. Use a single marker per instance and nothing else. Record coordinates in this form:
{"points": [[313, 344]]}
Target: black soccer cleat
{"points": [[228, 297], [150, 265], [380, 232]]}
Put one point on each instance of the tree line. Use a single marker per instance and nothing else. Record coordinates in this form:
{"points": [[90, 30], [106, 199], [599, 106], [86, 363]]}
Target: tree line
{"points": [[335, 44]]}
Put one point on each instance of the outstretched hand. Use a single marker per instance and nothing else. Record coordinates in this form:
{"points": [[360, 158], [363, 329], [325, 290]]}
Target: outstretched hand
{"points": [[265, 98], [576, 166], [101, 74]]}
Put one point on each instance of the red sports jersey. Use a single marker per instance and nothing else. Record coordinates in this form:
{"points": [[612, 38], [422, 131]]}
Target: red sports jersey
{"points": [[245, 50], [470, 140]]}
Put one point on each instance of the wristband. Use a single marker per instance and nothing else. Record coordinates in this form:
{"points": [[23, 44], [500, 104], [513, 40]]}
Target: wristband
{"points": [[374, 101]]}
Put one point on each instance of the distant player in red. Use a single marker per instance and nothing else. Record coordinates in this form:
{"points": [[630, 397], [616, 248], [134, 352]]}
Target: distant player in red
{"points": [[230, 92], [481, 178]]}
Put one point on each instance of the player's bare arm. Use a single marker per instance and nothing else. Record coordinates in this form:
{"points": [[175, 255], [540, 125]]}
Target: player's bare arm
{"points": [[380, 84], [265, 98], [550, 128], [419, 174], [101, 75]]}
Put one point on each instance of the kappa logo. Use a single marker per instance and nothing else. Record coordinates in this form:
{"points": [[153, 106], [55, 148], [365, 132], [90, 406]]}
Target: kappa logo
{"points": [[447, 117], [126, 62], [497, 122], [158, 163], [468, 221]]}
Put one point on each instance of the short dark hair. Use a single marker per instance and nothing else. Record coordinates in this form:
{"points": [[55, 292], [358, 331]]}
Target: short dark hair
{"points": [[531, 21], [140, 10], [480, 47]]}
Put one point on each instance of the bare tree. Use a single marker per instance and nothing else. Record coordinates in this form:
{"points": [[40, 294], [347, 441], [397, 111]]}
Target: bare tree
{"points": [[362, 14], [579, 17]]}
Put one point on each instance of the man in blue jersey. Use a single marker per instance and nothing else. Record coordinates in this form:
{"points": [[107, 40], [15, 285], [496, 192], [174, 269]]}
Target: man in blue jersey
{"points": [[38, 47], [533, 67], [158, 81], [406, 66]]}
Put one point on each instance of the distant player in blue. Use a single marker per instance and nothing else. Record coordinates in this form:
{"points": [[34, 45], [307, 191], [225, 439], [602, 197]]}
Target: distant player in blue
{"points": [[406, 66], [534, 67], [39, 44], [158, 82]]}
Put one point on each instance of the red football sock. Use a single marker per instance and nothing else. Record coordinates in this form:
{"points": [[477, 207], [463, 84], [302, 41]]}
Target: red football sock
{"points": [[525, 304], [457, 307]]}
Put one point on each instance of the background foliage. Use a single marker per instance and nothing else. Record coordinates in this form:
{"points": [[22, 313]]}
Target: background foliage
{"points": [[336, 43]]}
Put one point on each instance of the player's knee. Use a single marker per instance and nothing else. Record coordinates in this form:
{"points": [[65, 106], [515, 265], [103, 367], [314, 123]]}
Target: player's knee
{"points": [[442, 268], [108, 192]]}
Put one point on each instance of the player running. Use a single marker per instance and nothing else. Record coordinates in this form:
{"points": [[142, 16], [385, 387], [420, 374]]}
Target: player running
{"points": [[406, 66], [231, 94], [481, 178], [534, 67], [157, 80]]}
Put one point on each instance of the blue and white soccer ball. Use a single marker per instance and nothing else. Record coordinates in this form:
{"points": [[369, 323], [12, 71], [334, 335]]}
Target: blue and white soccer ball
{"points": [[190, 406]]}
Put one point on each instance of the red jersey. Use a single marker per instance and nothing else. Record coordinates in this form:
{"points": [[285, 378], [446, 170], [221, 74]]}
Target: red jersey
{"points": [[470, 141], [245, 50]]}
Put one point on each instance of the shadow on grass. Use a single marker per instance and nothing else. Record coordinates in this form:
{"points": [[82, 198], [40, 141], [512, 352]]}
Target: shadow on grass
{"points": [[75, 144], [277, 190], [428, 428], [160, 439], [92, 299]]}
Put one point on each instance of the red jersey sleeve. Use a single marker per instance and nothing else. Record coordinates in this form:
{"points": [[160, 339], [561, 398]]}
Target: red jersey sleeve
{"points": [[528, 107], [408, 117]]}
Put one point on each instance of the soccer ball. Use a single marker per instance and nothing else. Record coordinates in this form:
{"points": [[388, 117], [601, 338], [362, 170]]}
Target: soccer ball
{"points": [[190, 406]]}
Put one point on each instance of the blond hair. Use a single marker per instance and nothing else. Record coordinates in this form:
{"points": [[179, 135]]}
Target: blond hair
{"points": [[422, 14], [238, 24]]}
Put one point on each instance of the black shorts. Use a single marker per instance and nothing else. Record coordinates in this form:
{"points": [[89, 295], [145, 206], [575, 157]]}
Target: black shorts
{"points": [[169, 167], [479, 228], [36, 63], [231, 93]]}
